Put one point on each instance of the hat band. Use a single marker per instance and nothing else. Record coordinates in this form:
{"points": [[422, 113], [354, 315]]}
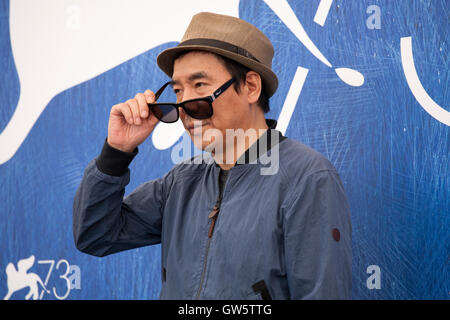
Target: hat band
{"points": [[220, 45]]}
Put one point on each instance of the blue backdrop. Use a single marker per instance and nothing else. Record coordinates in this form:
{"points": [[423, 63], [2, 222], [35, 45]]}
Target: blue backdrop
{"points": [[392, 155]]}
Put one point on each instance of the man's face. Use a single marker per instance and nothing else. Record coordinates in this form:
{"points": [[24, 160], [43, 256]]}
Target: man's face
{"points": [[198, 74]]}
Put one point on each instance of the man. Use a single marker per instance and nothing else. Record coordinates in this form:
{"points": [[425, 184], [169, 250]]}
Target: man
{"points": [[227, 229]]}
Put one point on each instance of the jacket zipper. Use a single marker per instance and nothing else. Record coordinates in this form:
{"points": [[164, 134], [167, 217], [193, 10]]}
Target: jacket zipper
{"points": [[213, 216]]}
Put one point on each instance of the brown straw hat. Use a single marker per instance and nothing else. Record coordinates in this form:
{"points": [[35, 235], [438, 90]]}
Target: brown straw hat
{"points": [[230, 37]]}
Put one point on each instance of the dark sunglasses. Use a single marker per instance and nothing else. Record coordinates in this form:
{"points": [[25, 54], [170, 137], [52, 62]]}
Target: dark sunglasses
{"points": [[199, 108]]}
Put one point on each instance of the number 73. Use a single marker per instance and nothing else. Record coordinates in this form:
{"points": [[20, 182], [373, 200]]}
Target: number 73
{"points": [[71, 275]]}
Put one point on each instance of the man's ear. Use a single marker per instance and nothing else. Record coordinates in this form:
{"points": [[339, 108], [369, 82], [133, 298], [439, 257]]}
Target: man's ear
{"points": [[254, 86]]}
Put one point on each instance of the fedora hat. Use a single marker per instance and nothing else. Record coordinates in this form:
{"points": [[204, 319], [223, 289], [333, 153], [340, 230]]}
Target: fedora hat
{"points": [[229, 37]]}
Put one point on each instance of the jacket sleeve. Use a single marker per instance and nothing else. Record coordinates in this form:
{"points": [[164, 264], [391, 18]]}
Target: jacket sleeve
{"points": [[317, 238], [105, 222]]}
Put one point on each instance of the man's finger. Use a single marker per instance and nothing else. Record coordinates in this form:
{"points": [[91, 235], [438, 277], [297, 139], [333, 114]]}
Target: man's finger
{"points": [[124, 110], [142, 103], [134, 107]]}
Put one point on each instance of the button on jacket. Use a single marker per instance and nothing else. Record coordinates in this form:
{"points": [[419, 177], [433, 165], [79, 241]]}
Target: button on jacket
{"points": [[285, 235]]}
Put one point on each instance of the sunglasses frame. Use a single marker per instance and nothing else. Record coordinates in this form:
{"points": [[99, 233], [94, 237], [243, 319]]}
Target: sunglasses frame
{"points": [[209, 99]]}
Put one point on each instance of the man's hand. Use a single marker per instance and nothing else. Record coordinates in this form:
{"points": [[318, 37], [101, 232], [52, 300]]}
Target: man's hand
{"points": [[131, 122]]}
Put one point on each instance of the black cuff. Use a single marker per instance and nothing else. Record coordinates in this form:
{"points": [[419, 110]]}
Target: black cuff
{"points": [[114, 162]]}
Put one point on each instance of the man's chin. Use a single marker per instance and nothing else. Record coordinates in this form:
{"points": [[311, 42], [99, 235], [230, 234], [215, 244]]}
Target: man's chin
{"points": [[201, 144]]}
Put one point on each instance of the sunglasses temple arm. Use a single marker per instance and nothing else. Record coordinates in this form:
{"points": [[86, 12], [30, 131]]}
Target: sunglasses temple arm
{"points": [[219, 91], [158, 93]]}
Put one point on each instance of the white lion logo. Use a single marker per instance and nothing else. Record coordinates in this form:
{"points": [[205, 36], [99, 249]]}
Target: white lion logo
{"points": [[19, 279]]}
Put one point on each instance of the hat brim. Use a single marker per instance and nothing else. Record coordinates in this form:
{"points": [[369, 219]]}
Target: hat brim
{"points": [[166, 59]]}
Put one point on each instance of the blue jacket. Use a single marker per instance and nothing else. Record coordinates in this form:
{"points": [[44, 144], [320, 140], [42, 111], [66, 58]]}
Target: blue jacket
{"points": [[285, 235]]}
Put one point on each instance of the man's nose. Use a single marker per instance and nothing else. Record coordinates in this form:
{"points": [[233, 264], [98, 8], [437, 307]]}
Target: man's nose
{"points": [[182, 113], [185, 118], [188, 94]]}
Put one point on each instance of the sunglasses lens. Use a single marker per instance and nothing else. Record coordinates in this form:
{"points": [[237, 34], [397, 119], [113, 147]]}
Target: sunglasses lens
{"points": [[165, 113], [198, 109]]}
